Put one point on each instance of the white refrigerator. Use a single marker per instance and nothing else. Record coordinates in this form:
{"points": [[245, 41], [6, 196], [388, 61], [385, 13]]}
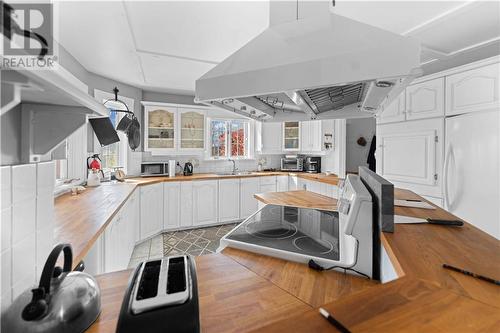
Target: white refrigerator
{"points": [[471, 182]]}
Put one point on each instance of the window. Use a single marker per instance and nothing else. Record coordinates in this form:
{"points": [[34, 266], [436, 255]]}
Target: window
{"points": [[229, 139], [110, 154]]}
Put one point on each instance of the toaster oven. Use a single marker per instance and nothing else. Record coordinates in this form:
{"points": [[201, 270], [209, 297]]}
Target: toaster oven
{"points": [[292, 163]]}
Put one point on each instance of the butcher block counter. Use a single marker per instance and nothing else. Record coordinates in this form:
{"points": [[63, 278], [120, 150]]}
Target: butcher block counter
{"points": [[81, 219], [240, 291]]}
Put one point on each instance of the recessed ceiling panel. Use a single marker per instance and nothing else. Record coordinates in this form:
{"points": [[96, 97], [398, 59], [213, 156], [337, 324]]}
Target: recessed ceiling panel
{"points": [[172, 73], [395, 16], [203, 30], [471, 25], [98, 36]]}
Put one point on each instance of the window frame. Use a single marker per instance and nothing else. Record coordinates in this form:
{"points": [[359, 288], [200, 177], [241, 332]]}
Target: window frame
{"points": [[248, 127]]}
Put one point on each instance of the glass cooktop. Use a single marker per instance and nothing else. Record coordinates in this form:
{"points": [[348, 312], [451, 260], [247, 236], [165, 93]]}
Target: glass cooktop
{"points": [[299, 230]]}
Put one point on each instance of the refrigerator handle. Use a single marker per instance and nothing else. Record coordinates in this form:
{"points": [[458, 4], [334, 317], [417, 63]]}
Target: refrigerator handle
{"points": [[445, 176]]}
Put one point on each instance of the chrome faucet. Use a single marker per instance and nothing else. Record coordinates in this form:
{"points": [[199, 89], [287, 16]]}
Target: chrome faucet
{"points": [[234, 166]]}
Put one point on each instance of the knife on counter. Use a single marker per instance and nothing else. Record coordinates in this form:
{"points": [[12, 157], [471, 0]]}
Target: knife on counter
{"points": [[400, 219], [413, 203]]}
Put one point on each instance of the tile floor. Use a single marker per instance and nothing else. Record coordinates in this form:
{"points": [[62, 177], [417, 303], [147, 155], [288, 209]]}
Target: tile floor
{"points": [[195, 242]]}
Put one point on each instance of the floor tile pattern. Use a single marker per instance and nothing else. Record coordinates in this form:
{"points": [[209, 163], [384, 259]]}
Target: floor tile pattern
{"points": [[195, 242]]}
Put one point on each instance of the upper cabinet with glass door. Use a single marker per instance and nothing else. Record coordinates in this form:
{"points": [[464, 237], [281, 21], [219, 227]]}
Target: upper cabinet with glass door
{"points": [[159, 130], [291, 136], [192, 129], [173, 128]]}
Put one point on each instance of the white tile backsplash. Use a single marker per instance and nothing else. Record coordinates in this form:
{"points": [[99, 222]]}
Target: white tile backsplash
{"points": [[24, 259], [23, 219], [44, 244], [45, 178], [21, 286], [45, 211], [5, 187], [27, 225], [23, 182], [6, 230], [208, 166], [6, 273]]}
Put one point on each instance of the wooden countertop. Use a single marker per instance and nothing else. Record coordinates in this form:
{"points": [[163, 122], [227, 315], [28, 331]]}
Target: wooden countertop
{"points": [[319, 177], [301, 198], [231, 297], [80, 219], [242, 291]]}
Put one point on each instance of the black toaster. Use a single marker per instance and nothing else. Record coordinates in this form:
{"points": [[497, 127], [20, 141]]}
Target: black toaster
{"points": [[162, 296]]}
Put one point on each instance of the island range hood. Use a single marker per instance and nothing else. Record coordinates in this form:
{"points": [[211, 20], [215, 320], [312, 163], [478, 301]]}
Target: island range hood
{"points": [[320, 67]]}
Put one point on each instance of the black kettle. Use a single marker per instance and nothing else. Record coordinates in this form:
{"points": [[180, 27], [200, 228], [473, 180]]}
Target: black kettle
{"points": [[188, 169]]}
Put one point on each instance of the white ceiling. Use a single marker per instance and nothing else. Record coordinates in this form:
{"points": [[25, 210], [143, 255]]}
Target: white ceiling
{"points": [[167, 45]]}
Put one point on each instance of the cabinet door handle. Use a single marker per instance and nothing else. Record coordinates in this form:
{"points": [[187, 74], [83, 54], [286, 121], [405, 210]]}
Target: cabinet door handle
{"points": [[445, 177]]}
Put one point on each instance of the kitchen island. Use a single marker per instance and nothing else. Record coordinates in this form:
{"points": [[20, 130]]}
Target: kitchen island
{"points": [[242, 291]]}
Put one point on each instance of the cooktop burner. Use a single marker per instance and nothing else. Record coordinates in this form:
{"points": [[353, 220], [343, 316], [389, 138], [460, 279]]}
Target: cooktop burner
{"points": [[302, 231], [271, 229]]}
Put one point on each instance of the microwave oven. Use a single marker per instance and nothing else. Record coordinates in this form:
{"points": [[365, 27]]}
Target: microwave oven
{"points": [[292, 163], [154, 169]]}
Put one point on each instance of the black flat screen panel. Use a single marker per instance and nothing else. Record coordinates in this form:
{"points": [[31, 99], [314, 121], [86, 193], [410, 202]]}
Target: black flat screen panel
{"points": [[104, 130]]}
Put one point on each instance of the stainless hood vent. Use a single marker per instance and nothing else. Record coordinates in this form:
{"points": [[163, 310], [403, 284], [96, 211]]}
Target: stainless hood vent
{"points": [[319, 67], [335, 98]]}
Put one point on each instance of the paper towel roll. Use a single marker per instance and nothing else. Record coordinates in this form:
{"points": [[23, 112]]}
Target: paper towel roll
{"points": [[171, 168]]}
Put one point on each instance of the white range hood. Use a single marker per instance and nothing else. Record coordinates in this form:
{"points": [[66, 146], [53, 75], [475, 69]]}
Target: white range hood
{"points": [[320, 67]]}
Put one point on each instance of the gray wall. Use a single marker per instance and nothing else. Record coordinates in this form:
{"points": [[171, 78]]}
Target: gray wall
{"points": [[356, 155], [11, 136]]}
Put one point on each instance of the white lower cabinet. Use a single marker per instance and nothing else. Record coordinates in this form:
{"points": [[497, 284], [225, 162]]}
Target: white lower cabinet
{"points": [[171, 205], [229, 200], [281, 183], [267, 184], [204, 202], [151, 209], [248, 204], [293, 183], [186, 205], [120, 236]]}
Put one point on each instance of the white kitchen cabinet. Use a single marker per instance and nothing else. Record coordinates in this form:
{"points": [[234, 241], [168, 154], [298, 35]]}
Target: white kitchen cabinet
{"points": [[291, 135], [331, 191], [171, 205], [113, 246], [204, 202], [191, 129], [310, 136], [173, 129], [293, 183], [281, 183], [248, 204], [160, 135], [120, 236], [267, 184], [270, 138], [393, 112], [229, 200], [186, 204], [314, 186], [410, 155], [133, 211], [473, 90], [425, 99], [151, 209]]}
